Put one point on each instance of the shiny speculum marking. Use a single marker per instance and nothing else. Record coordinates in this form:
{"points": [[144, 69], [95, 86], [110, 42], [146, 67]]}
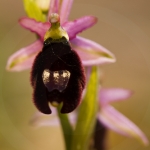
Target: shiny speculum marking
{"points": [[56, 80]]}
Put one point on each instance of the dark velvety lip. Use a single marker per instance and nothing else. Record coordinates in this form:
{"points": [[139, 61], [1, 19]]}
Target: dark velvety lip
{"points": [[55, 57]]}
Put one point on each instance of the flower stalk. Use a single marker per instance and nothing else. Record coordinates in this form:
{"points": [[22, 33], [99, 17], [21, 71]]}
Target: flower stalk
{"points": [[87, 114], [66, 127]]}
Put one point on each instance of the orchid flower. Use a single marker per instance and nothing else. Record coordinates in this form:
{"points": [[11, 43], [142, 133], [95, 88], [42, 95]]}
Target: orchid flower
{"points": [[107, 115], [90, 52]]}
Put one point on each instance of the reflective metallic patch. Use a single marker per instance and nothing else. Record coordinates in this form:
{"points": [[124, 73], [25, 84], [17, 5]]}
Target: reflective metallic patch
{"points": [[46, 76], [56, 79]]}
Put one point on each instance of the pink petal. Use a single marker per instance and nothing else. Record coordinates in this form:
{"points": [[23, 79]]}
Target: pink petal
{"points": [[65, 10], [24, 58], [91, 53], [114, 120], [54, 7], [77, 26], [35, 26], [106, 96], [41, 120]]}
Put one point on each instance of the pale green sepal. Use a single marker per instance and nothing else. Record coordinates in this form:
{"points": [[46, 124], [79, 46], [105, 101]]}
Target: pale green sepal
{"points": [[87, 115], [34, 11]]}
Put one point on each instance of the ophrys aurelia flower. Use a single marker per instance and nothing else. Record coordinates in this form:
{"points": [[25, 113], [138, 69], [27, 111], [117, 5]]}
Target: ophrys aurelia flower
{"points": [[57, 74]]}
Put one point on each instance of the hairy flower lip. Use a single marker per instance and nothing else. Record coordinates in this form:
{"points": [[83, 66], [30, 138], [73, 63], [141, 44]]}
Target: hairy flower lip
{"points": [[54, 88]]}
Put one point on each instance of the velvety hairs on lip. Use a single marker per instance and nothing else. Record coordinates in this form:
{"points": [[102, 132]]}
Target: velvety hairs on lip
{"points": [[50, 80]]}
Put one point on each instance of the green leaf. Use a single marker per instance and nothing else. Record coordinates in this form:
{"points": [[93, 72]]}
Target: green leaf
{"points": [[66, 128], [87, 115], [33, 11]]}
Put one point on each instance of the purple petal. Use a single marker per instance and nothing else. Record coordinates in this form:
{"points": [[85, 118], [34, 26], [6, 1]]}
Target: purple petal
{"points": [[35, 26], [77, 26], [91, 53], [114, 120], [65, 10], [24, 58], [107, 96], [54, 7]]}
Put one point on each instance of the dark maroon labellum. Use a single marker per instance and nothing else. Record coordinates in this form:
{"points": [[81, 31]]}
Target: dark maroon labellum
{"points": [[57, 76]]}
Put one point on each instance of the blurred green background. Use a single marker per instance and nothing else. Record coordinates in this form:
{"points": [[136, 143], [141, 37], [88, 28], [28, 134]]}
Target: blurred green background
{"points": [[123, 27]]}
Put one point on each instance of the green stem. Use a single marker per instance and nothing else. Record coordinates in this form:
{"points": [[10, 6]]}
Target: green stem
{"points": [[87, 115], [66, 128]]}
